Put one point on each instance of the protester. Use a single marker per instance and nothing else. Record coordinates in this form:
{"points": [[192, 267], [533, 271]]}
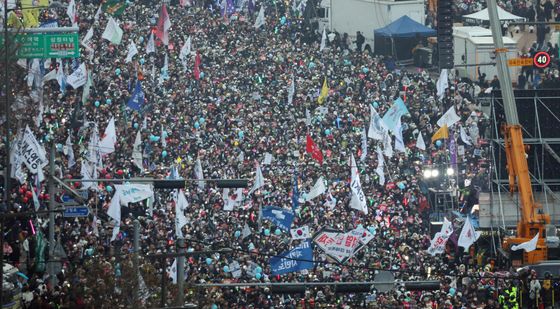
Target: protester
{"points": [[194, 91]]}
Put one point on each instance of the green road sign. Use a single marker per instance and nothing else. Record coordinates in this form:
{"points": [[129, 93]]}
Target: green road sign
{"points": [[47, 45]]}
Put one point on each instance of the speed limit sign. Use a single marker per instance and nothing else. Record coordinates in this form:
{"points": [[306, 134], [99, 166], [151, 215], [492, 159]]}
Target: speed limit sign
{"points": [[541, 59]]}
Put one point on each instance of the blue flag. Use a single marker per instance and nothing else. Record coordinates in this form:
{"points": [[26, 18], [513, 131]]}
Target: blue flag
{"points": [[295, 192], [137, 99], [281, 217], [393, 115], [297, 259]]}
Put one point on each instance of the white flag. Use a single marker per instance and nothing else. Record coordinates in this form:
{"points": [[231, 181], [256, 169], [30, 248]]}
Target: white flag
{"points": [[291, 90], [464, 137], [442, 83], [134, 192], [323, 40], [61, 77], [72, 13], [94, 155], [307, 117], [420, 144], [132, 51], [300, 233], [137, 151], [41, 109], [107, 144], [87, 40], [358, 197], [260, 21], [86, 172], [185, 52], [17, 160], [449, 118], [87, 88], [228, 202], [114, 212], [259, 180], [331, 201], [246, 232], [437, 245], [163, 138], [363, 235], [380, 166], [364, 146], [31, 153], [52, 75], [399, 142], [69, 151], [468, 235], [94, 226], [231, 201], [318, 189], [78, 78], [180, 220], [199, 173], [151, 46], [172, 272], [528, 246], [267, 159], [98, 13], [387, 146], [113, 33], [377, 128], [34, 74]]}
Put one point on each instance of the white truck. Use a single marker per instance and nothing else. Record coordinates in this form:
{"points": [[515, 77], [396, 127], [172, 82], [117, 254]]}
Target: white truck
{"points": [[474, 49], [349, 16]]}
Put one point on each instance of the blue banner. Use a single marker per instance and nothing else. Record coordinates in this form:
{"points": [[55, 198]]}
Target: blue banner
{"points": [[137, 99], [297, 259], [281, 217], [295, 192]]}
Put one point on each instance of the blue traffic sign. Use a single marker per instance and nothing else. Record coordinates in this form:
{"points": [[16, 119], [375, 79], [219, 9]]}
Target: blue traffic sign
{"points": [[76, 211]]}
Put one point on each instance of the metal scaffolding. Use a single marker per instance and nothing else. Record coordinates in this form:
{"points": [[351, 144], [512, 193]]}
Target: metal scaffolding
{"points": [[539, 113]]}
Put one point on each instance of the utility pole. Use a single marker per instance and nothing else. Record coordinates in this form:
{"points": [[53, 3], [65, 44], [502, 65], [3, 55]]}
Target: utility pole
{"points": [[136, 264], [501, 61], [6, 107], [7, 124], [52, 217], [180, 272]]}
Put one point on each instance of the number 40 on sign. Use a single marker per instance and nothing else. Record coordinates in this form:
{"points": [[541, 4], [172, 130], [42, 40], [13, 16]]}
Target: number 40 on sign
{"points": [[541, 59]]}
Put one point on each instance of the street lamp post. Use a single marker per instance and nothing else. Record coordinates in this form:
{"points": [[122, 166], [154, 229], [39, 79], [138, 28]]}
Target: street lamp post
{"points": [[6, 194]]}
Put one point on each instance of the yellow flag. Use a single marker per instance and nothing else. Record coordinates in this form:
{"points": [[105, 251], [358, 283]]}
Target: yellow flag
{"points": [[29, 19], [443, 132], [14, 21], [324, 92], [31, 10]]}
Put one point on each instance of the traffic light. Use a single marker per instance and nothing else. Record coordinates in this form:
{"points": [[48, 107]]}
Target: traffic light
{"points": [[445, 34]]}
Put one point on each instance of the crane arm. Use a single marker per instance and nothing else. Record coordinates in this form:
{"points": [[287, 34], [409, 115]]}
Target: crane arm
{"points": [[518, 171]]}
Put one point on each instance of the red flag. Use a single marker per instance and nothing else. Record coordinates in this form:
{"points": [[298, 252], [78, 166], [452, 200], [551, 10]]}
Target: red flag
{"points": [[164, 23], [197, 66], [314, 150]]}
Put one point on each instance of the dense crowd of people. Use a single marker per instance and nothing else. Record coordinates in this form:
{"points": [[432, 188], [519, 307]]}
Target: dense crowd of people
{"points": [[228, 104]]}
